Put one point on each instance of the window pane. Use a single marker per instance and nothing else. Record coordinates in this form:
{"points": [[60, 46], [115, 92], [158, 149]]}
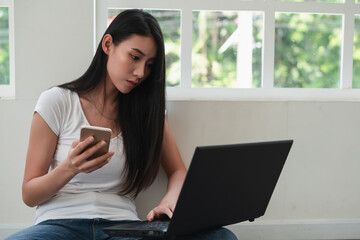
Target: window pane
{"points": [[307, 50], [4, 47], [356, 63], [227, 48], [169, 21]]}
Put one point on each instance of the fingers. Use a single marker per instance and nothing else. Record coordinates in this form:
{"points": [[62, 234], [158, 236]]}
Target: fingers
{"points": [[159, 211], [80, 152], [151, 215], [96, 163], [90, 151], [79, 147], [75, 143], [85, 149]]}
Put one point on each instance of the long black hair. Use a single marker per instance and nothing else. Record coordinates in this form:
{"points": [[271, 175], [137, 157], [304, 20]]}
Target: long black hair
{"points": [[141, 113]]}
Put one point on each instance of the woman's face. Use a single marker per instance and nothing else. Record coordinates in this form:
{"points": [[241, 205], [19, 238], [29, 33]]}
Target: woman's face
{"points": [[130, 62]]}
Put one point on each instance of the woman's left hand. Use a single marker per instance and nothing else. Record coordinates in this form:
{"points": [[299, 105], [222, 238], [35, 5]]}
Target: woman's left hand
{"points": [[164, 208]]}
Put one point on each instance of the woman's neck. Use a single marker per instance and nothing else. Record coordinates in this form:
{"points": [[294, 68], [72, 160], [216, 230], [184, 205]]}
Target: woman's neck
{"points": [[100, 107]]}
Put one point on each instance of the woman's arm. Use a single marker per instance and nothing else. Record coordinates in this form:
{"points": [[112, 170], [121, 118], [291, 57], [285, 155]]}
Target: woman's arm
{"points": [[175, 171], [39, 185]]}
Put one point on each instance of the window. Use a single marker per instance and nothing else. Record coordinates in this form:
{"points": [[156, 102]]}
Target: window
{"points": [[356, 67], [307, 50], [257, 49], [7, 87], [231, 57]]}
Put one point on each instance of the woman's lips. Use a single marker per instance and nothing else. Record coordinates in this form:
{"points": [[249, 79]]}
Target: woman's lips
{"points": [[131, 83]]}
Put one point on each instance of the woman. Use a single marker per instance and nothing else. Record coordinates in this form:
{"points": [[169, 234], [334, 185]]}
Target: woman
{"points": [[123, 89]]}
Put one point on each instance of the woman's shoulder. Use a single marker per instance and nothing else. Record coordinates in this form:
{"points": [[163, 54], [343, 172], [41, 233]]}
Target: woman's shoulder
{"points": [[55, 105], [57, 91], [57, 94], [57, 97]]}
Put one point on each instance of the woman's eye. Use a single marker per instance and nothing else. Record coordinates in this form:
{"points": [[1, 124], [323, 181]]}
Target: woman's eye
{"points": [[134, 57]]}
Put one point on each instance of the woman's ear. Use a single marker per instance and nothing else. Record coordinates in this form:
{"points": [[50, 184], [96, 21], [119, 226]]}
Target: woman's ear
{"points": [[107, 43]]}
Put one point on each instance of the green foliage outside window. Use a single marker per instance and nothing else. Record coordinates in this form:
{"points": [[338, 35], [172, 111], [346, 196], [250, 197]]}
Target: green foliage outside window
{"points": [[4, 46], [356, 63], [307, 50], [210, 68]]}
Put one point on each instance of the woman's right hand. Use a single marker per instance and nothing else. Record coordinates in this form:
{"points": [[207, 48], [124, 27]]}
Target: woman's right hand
{"points": [[79, 153]]}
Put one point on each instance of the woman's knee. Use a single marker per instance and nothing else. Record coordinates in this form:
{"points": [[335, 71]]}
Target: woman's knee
{"points": [[216, 234], [227, 234], [220, 233]]}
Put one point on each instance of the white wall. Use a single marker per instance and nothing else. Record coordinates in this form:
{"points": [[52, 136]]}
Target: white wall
{"points": [[320, 184], [53, 44]]}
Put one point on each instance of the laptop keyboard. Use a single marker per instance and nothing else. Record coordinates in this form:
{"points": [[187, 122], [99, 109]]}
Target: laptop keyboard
{"points": [[154, 225]]}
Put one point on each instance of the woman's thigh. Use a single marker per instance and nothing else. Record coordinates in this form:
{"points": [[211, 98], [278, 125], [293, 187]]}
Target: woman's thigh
{"points": [[45, 232], [67, 229]]}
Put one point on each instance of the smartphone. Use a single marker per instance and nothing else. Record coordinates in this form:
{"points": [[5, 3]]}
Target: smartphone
{"points": [[99, 134]]}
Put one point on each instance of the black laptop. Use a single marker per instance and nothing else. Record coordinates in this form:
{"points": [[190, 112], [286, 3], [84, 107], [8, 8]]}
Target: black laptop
{"points": [[225, 184]]}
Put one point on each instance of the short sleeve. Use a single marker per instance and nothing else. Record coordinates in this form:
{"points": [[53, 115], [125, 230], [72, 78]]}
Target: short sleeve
{"points": [[51, 107]]}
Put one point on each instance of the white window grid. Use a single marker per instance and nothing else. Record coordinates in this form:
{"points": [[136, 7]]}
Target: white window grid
{"points": [[8, 91], [347, 10]]}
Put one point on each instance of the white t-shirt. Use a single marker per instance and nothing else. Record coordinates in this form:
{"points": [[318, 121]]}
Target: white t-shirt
{"points": [[92, 195]]}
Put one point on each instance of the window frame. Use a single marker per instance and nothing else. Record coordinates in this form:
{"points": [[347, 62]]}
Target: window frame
{"points": [[8, 91], [348, 9]]}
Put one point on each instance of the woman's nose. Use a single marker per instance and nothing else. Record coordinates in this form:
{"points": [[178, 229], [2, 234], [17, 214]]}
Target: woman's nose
{"points": [[139, 71]]}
